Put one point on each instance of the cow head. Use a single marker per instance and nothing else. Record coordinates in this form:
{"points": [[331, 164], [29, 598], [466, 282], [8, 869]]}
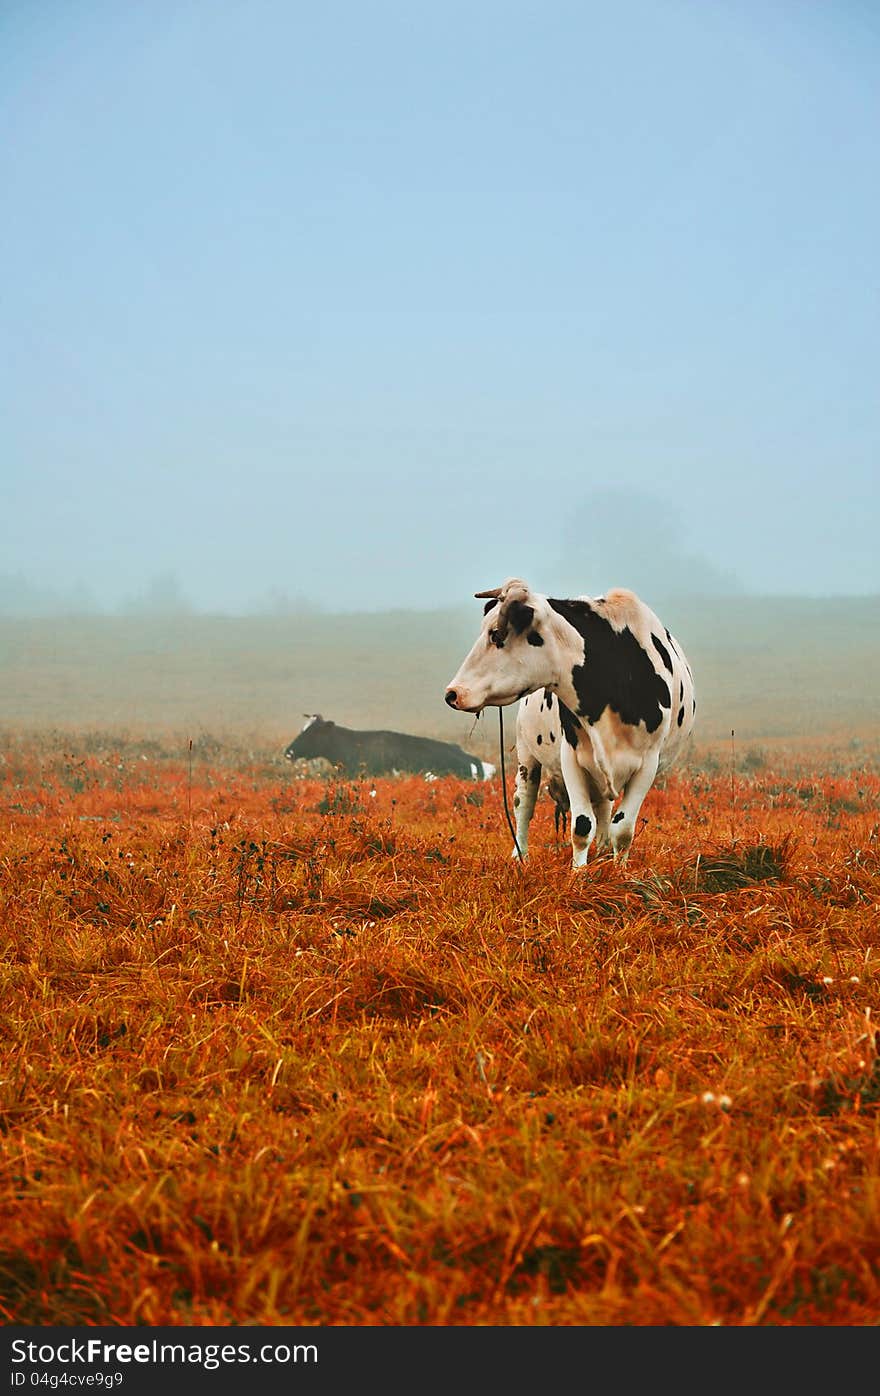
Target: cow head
{"points": [[509, 659], [311, 739]]}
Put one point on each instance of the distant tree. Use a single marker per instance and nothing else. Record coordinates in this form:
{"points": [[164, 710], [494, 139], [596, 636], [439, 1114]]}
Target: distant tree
{"points": [[615, 538], [20, 597], [278, 602], [163, 596]]}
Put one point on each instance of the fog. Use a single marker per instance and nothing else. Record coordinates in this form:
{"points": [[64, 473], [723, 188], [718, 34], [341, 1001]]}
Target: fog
{"points": [[350, 308]]}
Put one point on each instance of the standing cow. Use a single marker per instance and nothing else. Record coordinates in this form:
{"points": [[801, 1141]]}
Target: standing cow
{"points": [[616, 685]]}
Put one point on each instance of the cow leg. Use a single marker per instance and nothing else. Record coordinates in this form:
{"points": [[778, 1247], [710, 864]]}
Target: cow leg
{"points": [[623, 821], [528, 780], [559, 795], [602, 809], [583, 818]]}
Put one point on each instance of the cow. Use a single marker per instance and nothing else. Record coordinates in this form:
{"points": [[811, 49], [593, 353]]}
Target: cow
{"points": [[383, 753], [613, 679], [537, 755]]}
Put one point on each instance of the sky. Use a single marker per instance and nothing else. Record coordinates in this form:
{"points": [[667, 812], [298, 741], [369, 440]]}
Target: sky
{"points": [[360, 306]]}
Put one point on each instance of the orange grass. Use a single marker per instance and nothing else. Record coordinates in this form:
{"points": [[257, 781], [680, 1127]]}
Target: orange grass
{"points": [[287, 1052]]}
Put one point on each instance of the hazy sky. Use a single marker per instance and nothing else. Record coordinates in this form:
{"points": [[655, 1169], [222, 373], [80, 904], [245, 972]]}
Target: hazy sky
{"points": [[381, 303]]}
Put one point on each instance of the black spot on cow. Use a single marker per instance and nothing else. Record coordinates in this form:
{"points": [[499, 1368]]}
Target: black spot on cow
{"points": [[538, 739], [535, 775], [520, 616], [582, 826], [534, 638], [616, 818], [616, 672], [570, 725], [680, 718], [553, 736], [693, 705], [681, 692], [548, 698], [662, 651]]}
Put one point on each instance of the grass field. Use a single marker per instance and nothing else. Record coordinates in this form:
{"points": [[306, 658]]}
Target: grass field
{"points": [[297, 1052], [292, 1052]]}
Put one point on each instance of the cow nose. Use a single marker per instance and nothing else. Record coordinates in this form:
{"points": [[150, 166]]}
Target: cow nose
{"points": [[451, 697]]}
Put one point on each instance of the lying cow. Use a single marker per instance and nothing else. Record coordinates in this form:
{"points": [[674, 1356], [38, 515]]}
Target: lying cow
{"points": [[618, 694], [383, 753]]}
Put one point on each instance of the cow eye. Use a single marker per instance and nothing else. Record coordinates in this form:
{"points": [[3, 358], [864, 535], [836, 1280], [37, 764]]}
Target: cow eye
{"points": [[495, 639]]}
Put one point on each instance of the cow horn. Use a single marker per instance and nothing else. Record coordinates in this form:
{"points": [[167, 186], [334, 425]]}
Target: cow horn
{"points": [[514, 589]]}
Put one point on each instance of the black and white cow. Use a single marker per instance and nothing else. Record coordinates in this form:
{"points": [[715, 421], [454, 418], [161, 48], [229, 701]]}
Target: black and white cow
{"points": [[383, 753], [617, 690]]}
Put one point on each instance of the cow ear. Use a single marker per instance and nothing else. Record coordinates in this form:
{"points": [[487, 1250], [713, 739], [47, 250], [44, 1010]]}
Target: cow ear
{"points": [[520, 616]]}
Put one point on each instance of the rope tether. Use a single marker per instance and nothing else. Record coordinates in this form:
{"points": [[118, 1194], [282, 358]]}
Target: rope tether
{"points": [[504, 785]]}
